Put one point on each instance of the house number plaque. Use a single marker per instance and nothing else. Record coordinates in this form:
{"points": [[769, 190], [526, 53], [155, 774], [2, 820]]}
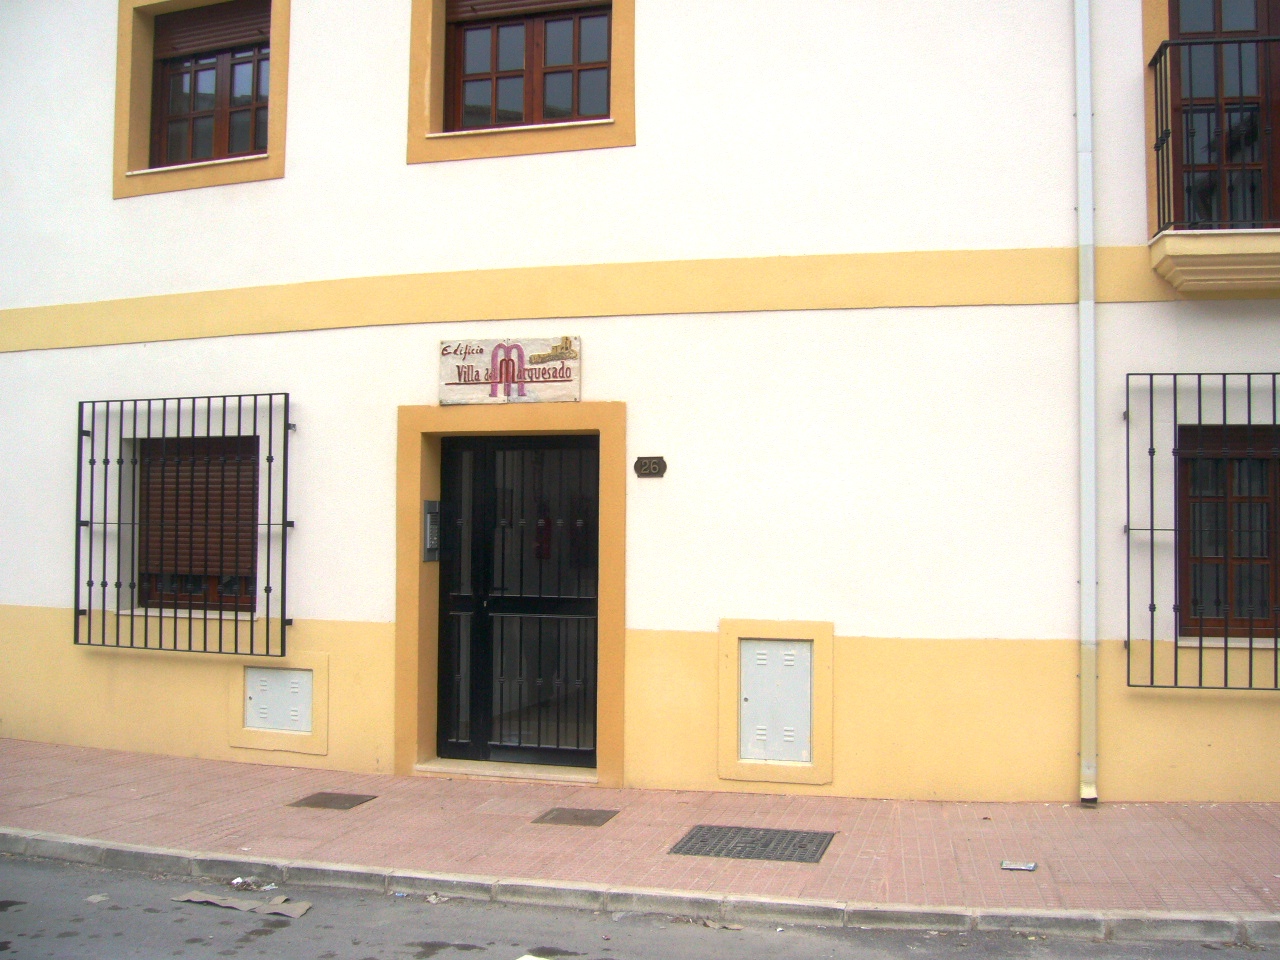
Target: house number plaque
{"points": [[650, 466]]}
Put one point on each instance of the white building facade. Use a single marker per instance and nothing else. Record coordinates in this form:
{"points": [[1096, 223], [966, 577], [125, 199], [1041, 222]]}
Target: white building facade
{"points": [[820, 259]]}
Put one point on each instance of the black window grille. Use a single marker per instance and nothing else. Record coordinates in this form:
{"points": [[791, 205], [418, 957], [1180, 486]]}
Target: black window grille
{"points": [[182, 524], [1202, 500]]}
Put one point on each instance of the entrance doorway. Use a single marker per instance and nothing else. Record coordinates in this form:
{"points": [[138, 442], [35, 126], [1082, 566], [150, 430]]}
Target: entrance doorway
{"points": [[518, 598]]}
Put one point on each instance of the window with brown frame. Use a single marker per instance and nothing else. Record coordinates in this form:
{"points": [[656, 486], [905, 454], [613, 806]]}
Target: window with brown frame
{"points": [[212, 81], [1224, 71], [517, 63], [198, 522], [1228, 485]]}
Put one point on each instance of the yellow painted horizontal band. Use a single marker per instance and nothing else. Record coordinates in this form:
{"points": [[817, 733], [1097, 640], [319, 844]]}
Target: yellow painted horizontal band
{"points": [[821, 282]]}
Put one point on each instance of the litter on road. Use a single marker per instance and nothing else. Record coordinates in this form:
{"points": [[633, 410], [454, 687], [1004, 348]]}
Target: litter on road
{"points": [[279, 905]]}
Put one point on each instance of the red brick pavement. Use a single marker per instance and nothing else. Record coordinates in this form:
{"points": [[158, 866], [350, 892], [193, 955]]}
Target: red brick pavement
{"points": [[1170, 857]]}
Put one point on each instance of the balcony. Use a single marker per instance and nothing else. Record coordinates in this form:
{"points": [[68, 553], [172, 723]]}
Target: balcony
{"points": [[1216, 164]]}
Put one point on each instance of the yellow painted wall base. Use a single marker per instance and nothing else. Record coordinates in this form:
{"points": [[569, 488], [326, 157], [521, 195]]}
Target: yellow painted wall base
{"points": [[972, 720], [1185, 745], [182, 703], [914, 719]]}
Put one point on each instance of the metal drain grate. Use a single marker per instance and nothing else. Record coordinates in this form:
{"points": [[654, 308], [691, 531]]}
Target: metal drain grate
{"points": [[754, 843], [577, 817], [334, 801]]}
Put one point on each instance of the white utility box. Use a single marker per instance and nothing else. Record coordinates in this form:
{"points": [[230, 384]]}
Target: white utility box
{"points": [[775, 716], [277, 699]]}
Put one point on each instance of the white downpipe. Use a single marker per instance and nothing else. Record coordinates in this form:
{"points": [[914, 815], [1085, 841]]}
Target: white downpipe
{"points": [[1088, 413]]}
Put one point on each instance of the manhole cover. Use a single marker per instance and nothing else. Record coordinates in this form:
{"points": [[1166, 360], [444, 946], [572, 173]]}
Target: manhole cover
{"points": [[754, 843], [576, 817], [334, 801]]}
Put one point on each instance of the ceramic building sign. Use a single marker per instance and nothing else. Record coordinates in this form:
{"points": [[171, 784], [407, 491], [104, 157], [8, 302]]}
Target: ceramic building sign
{"points": [[511, 371]]}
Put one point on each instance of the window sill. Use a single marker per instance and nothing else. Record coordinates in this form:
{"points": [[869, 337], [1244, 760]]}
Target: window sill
{"points": [[1234, 643], [1218, 262], [482, 131], [522, 140], [197, 165], [194, 614]]}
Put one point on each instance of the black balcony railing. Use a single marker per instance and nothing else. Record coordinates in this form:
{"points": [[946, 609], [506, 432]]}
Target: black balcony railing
{"points": [[1215, 104]]}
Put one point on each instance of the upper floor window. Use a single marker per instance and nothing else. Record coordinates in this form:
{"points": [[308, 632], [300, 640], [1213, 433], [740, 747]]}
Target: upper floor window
{"points": [[212, 81], [1217, 96], [550, 63]]}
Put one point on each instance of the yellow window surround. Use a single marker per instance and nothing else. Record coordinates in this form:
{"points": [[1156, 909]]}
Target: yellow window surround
{"points": [[428, 140], [134, 64]]}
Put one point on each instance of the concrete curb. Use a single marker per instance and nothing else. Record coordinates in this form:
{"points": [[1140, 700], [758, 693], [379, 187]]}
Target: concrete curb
{"points": [[1251, 929]]}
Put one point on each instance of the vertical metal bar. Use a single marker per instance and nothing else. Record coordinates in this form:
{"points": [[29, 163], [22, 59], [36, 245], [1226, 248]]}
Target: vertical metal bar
{"points": [[1252, 564], [1177, 575], [236, 472], [80, 433], [164, 513], [1199, 455], [191, 519], [210, 590], [1226, 549], [266, 573], [520, 459], [135, 524], [222, 528], [271, 458], [1151, 522], [106, 514], [120, 525], [284, 527], [145, 531], [1164, 139], [88, 571], [1128, 531]]}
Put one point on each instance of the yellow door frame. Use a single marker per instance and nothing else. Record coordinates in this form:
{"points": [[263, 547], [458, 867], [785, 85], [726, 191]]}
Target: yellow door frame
{"points": [[418, 583]]}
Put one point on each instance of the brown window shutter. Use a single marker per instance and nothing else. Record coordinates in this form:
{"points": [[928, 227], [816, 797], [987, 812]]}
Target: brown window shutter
{"points": [[459, 10], [199, 506], [215, 27]]}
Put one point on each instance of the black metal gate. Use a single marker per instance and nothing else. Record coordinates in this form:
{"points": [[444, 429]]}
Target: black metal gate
{"points": [[518, 593]]}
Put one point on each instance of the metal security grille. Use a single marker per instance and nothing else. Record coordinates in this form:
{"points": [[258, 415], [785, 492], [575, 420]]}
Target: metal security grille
{"points": [[181, 524], [518, 598], [754, 843], [1202, 497]]}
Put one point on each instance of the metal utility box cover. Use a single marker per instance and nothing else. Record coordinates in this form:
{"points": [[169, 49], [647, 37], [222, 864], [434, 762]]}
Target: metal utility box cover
{"points": [[775, 717], [277, 699]]}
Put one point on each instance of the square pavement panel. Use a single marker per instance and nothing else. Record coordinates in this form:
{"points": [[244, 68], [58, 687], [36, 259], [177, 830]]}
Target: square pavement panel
{"points": [[577, 817], [754, 843], [334, 801]]}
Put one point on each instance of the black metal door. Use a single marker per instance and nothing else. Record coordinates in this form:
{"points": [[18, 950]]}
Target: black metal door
{"points": [[518, 589]]}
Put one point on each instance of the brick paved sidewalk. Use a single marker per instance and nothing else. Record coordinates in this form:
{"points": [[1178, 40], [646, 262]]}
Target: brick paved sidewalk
{"points": [[1199, 858]]}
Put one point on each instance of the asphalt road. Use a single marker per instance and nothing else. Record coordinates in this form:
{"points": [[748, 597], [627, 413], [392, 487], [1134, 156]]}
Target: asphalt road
{"points": [[46, 912]]}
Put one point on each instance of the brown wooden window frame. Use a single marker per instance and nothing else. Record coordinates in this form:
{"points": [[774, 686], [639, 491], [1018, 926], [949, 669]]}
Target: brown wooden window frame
{"points": [[218, 41], [1225, 167], [469, 17], [1242, 463], [198, 522]]}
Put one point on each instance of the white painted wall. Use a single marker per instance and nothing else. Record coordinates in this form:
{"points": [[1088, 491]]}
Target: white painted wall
{"points": [[900, 472], [821, 126], [1120, 116]]}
